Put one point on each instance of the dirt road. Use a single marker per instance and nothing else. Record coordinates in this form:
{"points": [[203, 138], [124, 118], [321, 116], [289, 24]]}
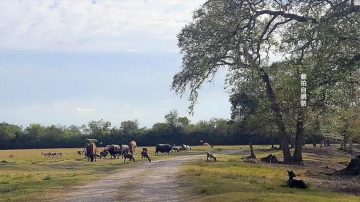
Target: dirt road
{"points": [[156, 181]]}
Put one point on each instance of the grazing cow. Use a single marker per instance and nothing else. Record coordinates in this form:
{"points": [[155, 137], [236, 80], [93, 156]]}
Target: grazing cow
{"points": [[125, 149], [133, 147], [145, 155], [163, 148], [185, 147], [295, 183], [177, 149], [129, 156], [90, 149], [114, 150]]}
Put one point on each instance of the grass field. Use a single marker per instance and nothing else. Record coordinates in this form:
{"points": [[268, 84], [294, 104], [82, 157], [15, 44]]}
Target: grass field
{"points": [[28, 173], [28, 176], [232, 179]]}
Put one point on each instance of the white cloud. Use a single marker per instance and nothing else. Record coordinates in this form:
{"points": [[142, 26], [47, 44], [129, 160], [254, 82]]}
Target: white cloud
{"points": [[82, 25], [80, 109]]}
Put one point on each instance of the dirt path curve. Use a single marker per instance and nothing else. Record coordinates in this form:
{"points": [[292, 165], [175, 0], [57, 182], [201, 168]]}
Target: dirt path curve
{"points": [[156, 181]]}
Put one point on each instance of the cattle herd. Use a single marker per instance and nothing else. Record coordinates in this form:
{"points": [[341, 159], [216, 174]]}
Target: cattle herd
{"points": [[127, 151]]}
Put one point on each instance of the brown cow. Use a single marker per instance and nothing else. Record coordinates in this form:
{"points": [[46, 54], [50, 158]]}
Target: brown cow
{"points": [[133, 146]]}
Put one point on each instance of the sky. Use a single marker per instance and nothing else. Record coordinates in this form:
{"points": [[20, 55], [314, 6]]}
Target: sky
{"points": [[69, 62]]}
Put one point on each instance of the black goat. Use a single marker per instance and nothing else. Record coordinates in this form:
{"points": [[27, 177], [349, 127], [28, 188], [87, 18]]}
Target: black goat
{"points": [[292, 183]]}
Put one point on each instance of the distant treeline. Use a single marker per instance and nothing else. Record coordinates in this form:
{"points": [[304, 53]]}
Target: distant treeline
{"points": [[176, 130]]}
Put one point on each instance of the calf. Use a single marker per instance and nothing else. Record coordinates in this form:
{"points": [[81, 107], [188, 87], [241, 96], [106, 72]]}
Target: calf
{"points": [[145, 155], [129, 156], [210, 155], [295, 183]]}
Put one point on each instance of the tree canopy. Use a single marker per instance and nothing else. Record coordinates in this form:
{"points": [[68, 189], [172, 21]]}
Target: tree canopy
{"points": [[274, 41]]}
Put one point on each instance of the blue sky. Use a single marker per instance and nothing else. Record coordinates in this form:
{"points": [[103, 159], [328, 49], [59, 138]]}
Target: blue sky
{"points": [[69, 62]]}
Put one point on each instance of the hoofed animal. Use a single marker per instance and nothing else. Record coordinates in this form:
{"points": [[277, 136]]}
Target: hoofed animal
{"points": [[103, 154], [145, 155], [114, 150], [124, 149], [45, 154], [293, 183], [210, 155], [90, 149], [185, 147], [129, 156], [133, 147], [163, 148]]}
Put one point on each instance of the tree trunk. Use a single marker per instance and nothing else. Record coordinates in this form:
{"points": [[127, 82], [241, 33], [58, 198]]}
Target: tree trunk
{"points": [[353, 168], [292, 142], [278, 117], [299, 139], [350, 150], [252, 153], [344, 142]]}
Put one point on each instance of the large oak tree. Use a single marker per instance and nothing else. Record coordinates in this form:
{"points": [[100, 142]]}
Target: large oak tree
{"points": [[247, 35]]}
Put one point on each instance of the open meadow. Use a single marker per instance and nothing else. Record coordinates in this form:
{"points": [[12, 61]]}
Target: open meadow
{"points": [[26, 175]]}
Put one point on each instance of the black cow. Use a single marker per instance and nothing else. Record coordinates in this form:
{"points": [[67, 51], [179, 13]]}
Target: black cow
{"points": [[163, 148], [114, 150]]}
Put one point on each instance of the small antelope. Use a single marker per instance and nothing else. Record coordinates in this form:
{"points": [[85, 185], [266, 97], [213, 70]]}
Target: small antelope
{"points": [[11, 156], [45, 154]]}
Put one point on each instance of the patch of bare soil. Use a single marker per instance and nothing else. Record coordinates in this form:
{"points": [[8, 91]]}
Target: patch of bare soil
{"points": [[156, 181]]}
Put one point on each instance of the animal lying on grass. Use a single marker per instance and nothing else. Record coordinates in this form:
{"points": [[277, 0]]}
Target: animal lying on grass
{"points": [[292, 183], [129, 156]]}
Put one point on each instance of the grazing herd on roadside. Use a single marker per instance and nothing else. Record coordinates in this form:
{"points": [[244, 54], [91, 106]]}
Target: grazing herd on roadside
{"points": [[127, 152], [51, 154]]}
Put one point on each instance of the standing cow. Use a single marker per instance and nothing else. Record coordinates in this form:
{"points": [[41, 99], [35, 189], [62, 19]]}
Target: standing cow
{"points": [[90, 151], [163, 148], [124, 149], [133, 146], [114, 150]]}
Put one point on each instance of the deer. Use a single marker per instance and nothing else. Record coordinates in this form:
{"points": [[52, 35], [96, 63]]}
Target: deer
{"points": [[293, 183]]}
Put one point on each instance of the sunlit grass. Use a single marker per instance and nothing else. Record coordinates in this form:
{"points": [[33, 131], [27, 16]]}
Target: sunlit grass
{"points": [[231, 179]]}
